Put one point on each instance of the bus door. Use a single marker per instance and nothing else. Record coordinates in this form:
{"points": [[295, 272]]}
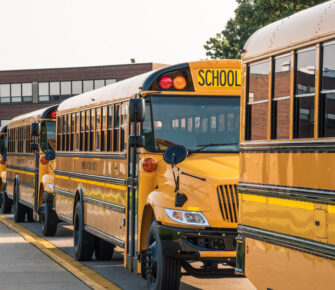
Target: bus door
{"points": [[136, 115]]}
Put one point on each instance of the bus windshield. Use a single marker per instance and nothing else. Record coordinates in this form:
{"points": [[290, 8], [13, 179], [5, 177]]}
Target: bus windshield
{"points": [[48, 136], [3, 144], [194, 122]]}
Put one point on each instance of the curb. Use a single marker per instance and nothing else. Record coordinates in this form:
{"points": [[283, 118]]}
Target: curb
{"points": [[79, 270]]}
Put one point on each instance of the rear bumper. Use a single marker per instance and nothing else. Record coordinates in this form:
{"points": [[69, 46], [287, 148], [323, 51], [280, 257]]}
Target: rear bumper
{"points": [[197, 244]]}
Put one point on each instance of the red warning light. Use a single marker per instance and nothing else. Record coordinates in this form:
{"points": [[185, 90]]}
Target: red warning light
{"points": [[165, 82], [53, 114]]}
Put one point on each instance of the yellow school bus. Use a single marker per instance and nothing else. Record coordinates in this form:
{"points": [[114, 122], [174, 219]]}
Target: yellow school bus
{"points": [[113, 184], [3, 158], [287, 189], [30, 159]]}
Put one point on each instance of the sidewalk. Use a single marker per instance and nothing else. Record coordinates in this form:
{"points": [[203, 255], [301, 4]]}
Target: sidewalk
{"points": [[22, 266]]}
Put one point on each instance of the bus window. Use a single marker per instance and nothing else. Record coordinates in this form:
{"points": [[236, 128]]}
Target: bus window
{"points": [[103, 128], [258, 79], [304, 94], [116, 128], [92, 130], [97, 128], [281, 97], [82, 131], [87, 131], [48, 136], [327, 96], [77, 132], [124, 126], [110, 128], [168, 113]]}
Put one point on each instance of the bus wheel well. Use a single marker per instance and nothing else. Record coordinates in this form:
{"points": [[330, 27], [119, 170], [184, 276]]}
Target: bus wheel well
{"points": [[148, 217]]}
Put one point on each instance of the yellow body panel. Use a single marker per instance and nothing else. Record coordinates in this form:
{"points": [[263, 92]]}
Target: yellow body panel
{"points": [[276, 267]]}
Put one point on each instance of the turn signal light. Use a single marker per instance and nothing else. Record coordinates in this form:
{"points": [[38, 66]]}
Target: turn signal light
{"points": [[44, 161], [149, 164], [179, 82], [2, 162]]}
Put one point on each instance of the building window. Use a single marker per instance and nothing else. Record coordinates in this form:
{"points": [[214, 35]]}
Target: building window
{"points": [[27, 92], [77, 87], [88, 86], [4, 93], [110, 81], [304, 94], [99, 84], [257, 101], [43, 92]]}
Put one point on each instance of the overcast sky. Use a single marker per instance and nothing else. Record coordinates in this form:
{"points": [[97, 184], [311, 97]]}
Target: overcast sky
{"points": [[65, 33]]}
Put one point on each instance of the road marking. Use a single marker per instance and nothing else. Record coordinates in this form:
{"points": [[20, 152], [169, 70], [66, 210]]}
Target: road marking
{"points": [[82, 272]]}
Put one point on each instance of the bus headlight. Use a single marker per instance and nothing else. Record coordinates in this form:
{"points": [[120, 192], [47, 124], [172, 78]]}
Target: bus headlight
{"points": [[187, 217]]}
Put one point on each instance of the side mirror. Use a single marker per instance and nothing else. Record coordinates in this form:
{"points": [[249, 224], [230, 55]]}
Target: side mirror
{"points": [[50, 155], [34, 147], [136, 110], [175, 154], [35, 130], [136, 141]]}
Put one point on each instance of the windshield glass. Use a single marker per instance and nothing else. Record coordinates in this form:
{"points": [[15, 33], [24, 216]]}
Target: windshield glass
{"points": [[48, 136], [193, 122], [3, 144]]}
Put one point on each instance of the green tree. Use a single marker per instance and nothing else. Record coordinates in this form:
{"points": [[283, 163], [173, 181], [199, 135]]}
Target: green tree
{"points": [[251, 15]]}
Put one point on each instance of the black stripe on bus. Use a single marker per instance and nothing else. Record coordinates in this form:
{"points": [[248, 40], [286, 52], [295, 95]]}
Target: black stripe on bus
{"points": [[21, 154], [322, 146], [288, 241], [104, 236], [288, 192], [98, 178], [65, 193], [27, 169], [25, 203], [92, 155], [105, 204]]}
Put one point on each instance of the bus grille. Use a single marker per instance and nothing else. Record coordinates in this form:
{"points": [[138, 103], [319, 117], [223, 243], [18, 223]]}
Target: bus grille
{"points": [[228, 201]]}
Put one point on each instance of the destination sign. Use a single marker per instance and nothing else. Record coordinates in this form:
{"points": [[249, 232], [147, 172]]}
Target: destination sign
{"points": [[220, 78]]}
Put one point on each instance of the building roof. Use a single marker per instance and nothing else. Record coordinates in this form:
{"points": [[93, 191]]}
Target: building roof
{"points": [[313, 24]]}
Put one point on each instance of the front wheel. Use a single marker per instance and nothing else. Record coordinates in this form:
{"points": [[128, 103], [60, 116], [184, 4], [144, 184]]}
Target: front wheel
{"points": [[82, 240], [49, 221], [165, 271], [6, 203], [19, 209]]}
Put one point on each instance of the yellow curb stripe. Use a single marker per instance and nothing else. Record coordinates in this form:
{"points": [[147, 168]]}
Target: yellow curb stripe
{"points": [[82, 272], [20, 171]]}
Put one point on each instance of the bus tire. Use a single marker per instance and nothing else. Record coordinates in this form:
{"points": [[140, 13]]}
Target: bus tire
{"points": [[49, 221], [19, 209], [166, 271], [103, 250], [29, 213], [83, 241], [6, 203]]}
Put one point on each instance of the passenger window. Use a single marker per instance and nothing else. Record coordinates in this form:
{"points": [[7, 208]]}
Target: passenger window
{"points": [[257, 101], [116, 128], [110, 128], [92, 129], [281, 97], [87, 131], [97, 128], [82, 131], [304, 94], [327, 96], [103, 128], [124, 126]]}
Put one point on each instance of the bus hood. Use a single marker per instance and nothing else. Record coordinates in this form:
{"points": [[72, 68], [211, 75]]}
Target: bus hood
{"points": [[199, 175]]}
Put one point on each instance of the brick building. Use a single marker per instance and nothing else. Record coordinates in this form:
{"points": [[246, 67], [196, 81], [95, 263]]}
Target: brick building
{"points": [[23, 91]]}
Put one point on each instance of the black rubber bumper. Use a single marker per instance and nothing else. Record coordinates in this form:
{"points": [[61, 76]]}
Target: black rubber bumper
{"points": [[186, 243]]}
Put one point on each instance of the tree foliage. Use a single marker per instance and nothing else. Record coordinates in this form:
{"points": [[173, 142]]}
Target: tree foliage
{"points": [[251, 15]]}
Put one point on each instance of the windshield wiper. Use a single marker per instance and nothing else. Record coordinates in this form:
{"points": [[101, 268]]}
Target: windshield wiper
{"points": [[203, 146]]}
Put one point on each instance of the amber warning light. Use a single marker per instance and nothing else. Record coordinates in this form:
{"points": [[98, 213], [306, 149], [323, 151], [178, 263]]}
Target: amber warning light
{"points": [[149, 164]]}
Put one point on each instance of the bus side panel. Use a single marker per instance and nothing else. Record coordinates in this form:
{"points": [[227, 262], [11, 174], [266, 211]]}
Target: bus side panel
{"points": [[288, 268]]}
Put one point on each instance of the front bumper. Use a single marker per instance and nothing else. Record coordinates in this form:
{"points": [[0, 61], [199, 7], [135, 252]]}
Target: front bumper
{"points": [[198, 244]]}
